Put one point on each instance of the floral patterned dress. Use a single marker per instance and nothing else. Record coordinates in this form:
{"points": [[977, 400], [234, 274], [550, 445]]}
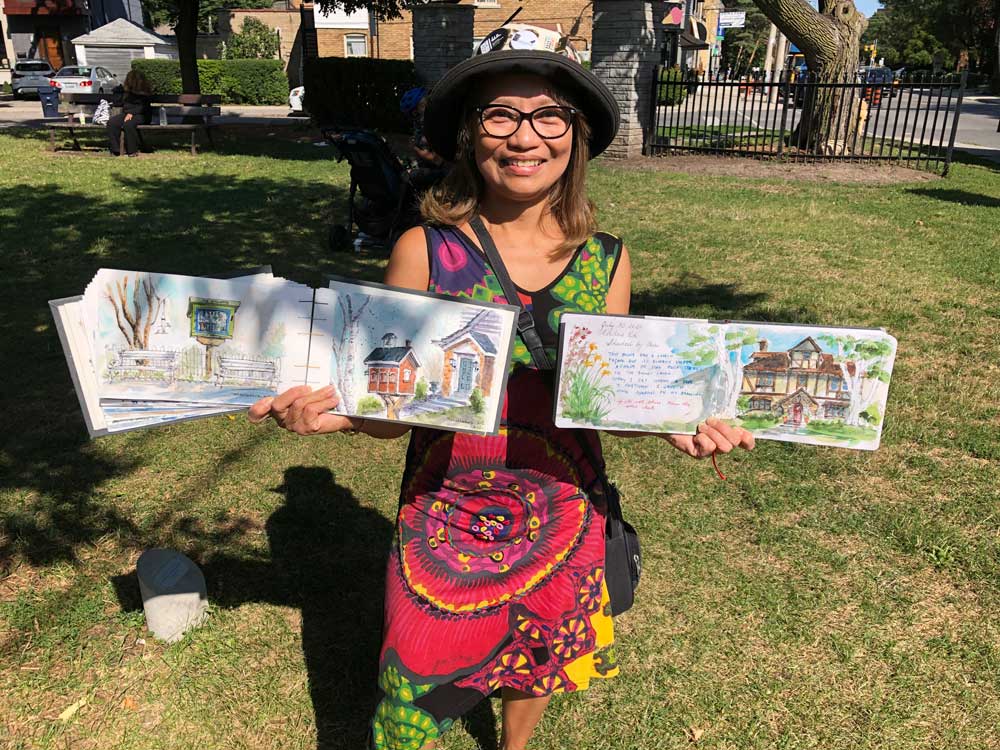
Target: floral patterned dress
{"points": [[496, 574]]}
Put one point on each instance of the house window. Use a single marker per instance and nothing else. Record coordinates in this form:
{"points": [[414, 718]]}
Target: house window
{"points": [[760, 404], [801, 381], [835, 412], [356, 45], [835, 384], [765, 381], [406, 376]]}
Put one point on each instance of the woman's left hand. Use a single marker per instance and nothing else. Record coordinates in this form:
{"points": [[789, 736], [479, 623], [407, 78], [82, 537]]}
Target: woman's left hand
{"points": [[714, 436]]}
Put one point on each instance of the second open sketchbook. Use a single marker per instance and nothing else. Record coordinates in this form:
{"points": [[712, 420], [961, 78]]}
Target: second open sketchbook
{"points": [[148, 348], [797, 383]]}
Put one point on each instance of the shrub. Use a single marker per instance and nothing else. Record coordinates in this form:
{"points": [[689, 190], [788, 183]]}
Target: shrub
{"points": [[359, 91], [238, 81], [420, 390], [369, 405], [672, 88], [476, 401], [255, 41]]}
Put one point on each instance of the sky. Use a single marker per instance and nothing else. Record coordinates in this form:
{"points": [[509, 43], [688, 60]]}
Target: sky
{"points": [[868, 7]]}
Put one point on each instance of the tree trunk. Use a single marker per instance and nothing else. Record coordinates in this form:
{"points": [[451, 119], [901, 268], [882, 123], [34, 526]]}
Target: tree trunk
{"points": [[187, 39], [830, 39]]}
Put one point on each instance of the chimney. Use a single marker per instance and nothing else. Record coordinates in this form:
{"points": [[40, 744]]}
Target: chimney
{"points": [[409, 344], [762, 344]]}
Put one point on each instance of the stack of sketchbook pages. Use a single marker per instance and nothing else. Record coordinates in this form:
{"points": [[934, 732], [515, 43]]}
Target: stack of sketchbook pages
{"points": [[146, 349]]}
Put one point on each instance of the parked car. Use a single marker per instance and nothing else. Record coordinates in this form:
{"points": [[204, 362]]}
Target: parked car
{"points": [[879, 78], [28, 76], [295, 97], [84, 79]]}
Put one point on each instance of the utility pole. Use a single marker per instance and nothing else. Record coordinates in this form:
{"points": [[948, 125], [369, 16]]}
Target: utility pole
{"points": [[769, 54]]}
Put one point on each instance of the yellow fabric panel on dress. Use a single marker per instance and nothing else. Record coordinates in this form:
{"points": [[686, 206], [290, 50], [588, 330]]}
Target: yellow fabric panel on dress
{"points": [[600, 663]]}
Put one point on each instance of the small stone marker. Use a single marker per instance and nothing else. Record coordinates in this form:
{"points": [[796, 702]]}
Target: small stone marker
{"points": [[173, 593]]}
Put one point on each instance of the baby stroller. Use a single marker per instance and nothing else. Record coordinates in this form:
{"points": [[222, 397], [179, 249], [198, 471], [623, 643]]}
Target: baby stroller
{"points": [[387, 204]]}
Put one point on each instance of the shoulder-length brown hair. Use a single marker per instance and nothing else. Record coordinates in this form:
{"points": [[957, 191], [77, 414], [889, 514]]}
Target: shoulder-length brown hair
{"points": [[455, 199], [137, 83]]}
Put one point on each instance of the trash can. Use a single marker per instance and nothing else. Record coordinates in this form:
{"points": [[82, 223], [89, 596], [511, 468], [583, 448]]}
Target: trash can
{"points": [[50, 101]]}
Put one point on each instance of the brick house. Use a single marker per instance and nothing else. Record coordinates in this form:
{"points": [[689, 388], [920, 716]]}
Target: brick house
{"points": [[470, 355], [341, 35], [796, 385], [392, 370]]}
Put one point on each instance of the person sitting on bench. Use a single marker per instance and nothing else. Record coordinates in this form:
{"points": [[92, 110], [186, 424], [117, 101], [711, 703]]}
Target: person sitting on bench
{"points": [[136, 111]]}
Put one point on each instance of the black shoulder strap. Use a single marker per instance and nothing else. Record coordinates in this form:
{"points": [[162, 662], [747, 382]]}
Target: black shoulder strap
{"points": [[526, 327], [525, 322]]}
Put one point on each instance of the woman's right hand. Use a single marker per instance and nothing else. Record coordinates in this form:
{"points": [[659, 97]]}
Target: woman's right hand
{"points": [[303, 411]]}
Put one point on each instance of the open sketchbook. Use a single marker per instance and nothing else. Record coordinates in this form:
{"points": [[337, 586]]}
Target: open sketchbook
{"points": [[796, 383], [146, 349]]}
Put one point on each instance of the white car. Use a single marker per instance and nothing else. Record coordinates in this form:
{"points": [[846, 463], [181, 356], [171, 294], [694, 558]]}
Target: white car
{"points": [[28, 76], [84, 79], [295, 97]]}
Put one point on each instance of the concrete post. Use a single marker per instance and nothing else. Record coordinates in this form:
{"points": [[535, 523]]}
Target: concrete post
{"points": [[628, 37], [442, 38]]}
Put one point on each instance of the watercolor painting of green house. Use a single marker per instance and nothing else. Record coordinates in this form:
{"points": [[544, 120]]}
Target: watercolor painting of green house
{"points": [[797, 385]]}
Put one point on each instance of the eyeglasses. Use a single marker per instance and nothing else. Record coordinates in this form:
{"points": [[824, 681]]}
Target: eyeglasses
{"points": [[501, 121]]}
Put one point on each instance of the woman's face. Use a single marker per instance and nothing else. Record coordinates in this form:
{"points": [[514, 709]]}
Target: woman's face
{"points": [[523, 166]]}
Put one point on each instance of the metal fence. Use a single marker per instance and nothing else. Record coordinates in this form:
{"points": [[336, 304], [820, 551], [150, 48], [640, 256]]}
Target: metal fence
{"points": [[912, 119]]}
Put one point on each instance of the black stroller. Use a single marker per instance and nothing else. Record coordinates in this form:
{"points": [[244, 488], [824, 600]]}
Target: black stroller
{"points": [[388, 201]]}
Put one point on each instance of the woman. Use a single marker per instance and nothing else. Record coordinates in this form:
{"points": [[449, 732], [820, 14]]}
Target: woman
{"points": [[136, 111], [495, 579]]}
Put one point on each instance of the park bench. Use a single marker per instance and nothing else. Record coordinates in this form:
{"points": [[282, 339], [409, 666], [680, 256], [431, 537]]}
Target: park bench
{"points": [[188, 107], [139, 363], [253, 370]]}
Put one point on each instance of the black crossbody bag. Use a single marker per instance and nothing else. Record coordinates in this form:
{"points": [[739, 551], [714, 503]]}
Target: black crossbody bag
{"points": [[622, 554]]}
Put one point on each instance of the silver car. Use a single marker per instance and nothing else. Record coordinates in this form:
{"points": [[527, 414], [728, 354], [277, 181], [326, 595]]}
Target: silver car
{"points": [[28, 76], [84, 79]]}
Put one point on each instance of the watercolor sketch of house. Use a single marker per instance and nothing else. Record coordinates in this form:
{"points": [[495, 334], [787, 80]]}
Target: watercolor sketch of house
{"points": [[392, 370], [470, 354], [796, 385]]}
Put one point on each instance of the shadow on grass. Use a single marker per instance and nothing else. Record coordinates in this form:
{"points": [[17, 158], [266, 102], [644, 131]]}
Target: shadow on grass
{"points": [[52, 241], [961, 197], [327, 558], [692, 296]]}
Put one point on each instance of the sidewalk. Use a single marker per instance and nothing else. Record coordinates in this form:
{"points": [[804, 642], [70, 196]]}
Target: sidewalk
{"points": [[28, 113]]}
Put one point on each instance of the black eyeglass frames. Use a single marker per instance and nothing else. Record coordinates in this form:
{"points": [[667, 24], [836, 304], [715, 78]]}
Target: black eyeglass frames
{"points": [[501, 121]]}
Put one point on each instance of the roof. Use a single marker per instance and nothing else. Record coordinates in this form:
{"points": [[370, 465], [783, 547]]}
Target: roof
{"points": [[390, 354], [477, 327], [776, 361], [121, 33]]}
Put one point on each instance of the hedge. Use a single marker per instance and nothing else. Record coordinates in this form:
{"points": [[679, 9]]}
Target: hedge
{"points": [[238, 81], [359, 92], [675, 89]]}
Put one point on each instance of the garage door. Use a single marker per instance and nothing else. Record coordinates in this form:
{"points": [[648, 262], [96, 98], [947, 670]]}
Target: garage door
{"points": [[116, 59]]}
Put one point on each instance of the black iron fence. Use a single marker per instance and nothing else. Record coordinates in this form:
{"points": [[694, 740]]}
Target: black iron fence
{"points": [[868, 116]]}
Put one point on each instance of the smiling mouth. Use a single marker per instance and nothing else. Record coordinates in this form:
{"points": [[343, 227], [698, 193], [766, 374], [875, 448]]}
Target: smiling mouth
{"points": [[521, 162]]}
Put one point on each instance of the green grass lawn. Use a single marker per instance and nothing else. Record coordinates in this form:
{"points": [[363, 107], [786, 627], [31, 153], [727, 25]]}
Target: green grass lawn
{"points": [[819, 598]]}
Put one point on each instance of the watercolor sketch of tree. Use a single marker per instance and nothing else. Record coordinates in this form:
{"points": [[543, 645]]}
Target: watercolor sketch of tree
{"points": [[135, 318], [725, 353], [345, 345], [872, 362]]}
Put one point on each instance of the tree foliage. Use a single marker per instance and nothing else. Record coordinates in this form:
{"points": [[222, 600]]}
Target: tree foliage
{"points": [[255, 41], [911, 32], [165, 12], [743, 49]]}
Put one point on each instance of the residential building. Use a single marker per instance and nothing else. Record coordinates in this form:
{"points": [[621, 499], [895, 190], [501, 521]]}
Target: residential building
{"points": [[796, 385]]}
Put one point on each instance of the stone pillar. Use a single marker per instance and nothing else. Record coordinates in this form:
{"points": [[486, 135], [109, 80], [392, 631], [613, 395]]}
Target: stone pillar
{"points": [[627, 43], [442, 38]]}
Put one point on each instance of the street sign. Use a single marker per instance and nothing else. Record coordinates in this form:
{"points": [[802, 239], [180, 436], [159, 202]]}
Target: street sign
{"points": [[734, 19]]}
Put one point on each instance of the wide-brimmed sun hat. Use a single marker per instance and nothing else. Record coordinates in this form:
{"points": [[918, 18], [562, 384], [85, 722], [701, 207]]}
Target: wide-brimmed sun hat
{"points": [[520, 48]]}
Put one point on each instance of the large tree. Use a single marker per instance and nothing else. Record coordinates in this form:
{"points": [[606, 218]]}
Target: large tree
{"points": [[830, 39]]}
